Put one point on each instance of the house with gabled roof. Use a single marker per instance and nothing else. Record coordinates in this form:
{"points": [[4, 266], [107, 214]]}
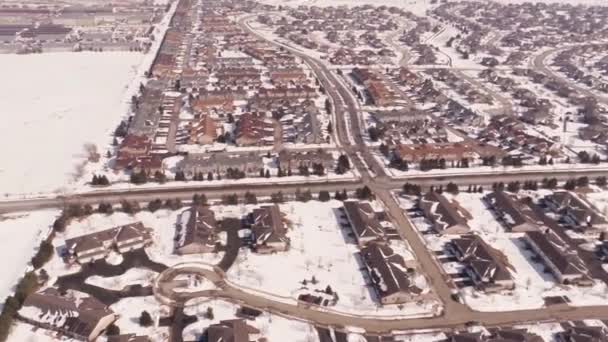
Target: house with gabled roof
{"points": [[200, 233], [583, 334], [577, 211], [91, 247], [495, 335], [269, 233], [390, 274], [364, 222], [233, 330], [514, 213], [559, 259], [76, 315], [487, 271], [446, 218]]}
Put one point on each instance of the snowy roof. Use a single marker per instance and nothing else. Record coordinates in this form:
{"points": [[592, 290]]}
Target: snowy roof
{"points": [[85, 243], [267, 225], [441, 211], [387, 269], [514, 211], [200, 228], [479, 258], [77, 314], [363, 219], [235, 330], [578, 207], [557, 252]]}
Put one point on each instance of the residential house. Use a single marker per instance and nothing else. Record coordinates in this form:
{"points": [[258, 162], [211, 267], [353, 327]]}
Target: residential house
{"points": [[96, 246], [220, 163], [292, 159], [202, 131], [495, 335], [199, 235], [389, 273], [364, 222], [445, 216], [269, 233], [583, 334], [514, 213], [254, 129], [559, 258], [234, 330], [486, 268], [577, 211], [78, 316]]}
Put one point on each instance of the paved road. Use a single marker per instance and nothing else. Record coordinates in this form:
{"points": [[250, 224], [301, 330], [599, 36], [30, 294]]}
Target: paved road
{"points": [[164, 290]]}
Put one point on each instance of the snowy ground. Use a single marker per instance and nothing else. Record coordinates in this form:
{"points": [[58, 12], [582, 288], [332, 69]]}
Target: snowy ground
{"points": [[129, 311], [20, 236], [57, 103], [131, 277], [532, 285], [322, 249]]}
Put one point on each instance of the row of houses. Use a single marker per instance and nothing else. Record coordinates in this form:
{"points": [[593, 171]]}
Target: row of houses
{"points": [[390, 274], [72, 314]]}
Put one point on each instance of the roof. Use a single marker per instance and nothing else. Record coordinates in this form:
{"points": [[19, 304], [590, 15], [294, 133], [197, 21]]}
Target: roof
{"points": [[77, 313], [479, 256], [441, 211], [514, 212], [267, 225], [584, 334], [558, 252], [387, 269], [236, 330], [363, 219], [84, 243], [200, 228], [577, 206]]}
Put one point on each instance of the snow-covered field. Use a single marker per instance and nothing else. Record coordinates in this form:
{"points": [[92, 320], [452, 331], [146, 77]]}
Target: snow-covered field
{"points": [[20, 235], [54, 103]]}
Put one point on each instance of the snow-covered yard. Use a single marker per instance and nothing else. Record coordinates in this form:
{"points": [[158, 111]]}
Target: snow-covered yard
{"points": [[20, 235], [322, 254], [54, 104], [129, 311]]}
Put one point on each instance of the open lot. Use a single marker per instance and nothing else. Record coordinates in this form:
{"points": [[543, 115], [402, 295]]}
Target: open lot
{"points": [[55, 103]]}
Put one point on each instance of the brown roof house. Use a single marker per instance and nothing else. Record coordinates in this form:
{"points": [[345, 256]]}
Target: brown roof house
{"points": [[96, 246], [516, 215], [200, 232], [390, 274], [583, 334], [564, 263], [495, 335], [445, 216], [234, 330], [577, 212], [363, 221], [268, 230], [78, 316], [486, 269]]}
